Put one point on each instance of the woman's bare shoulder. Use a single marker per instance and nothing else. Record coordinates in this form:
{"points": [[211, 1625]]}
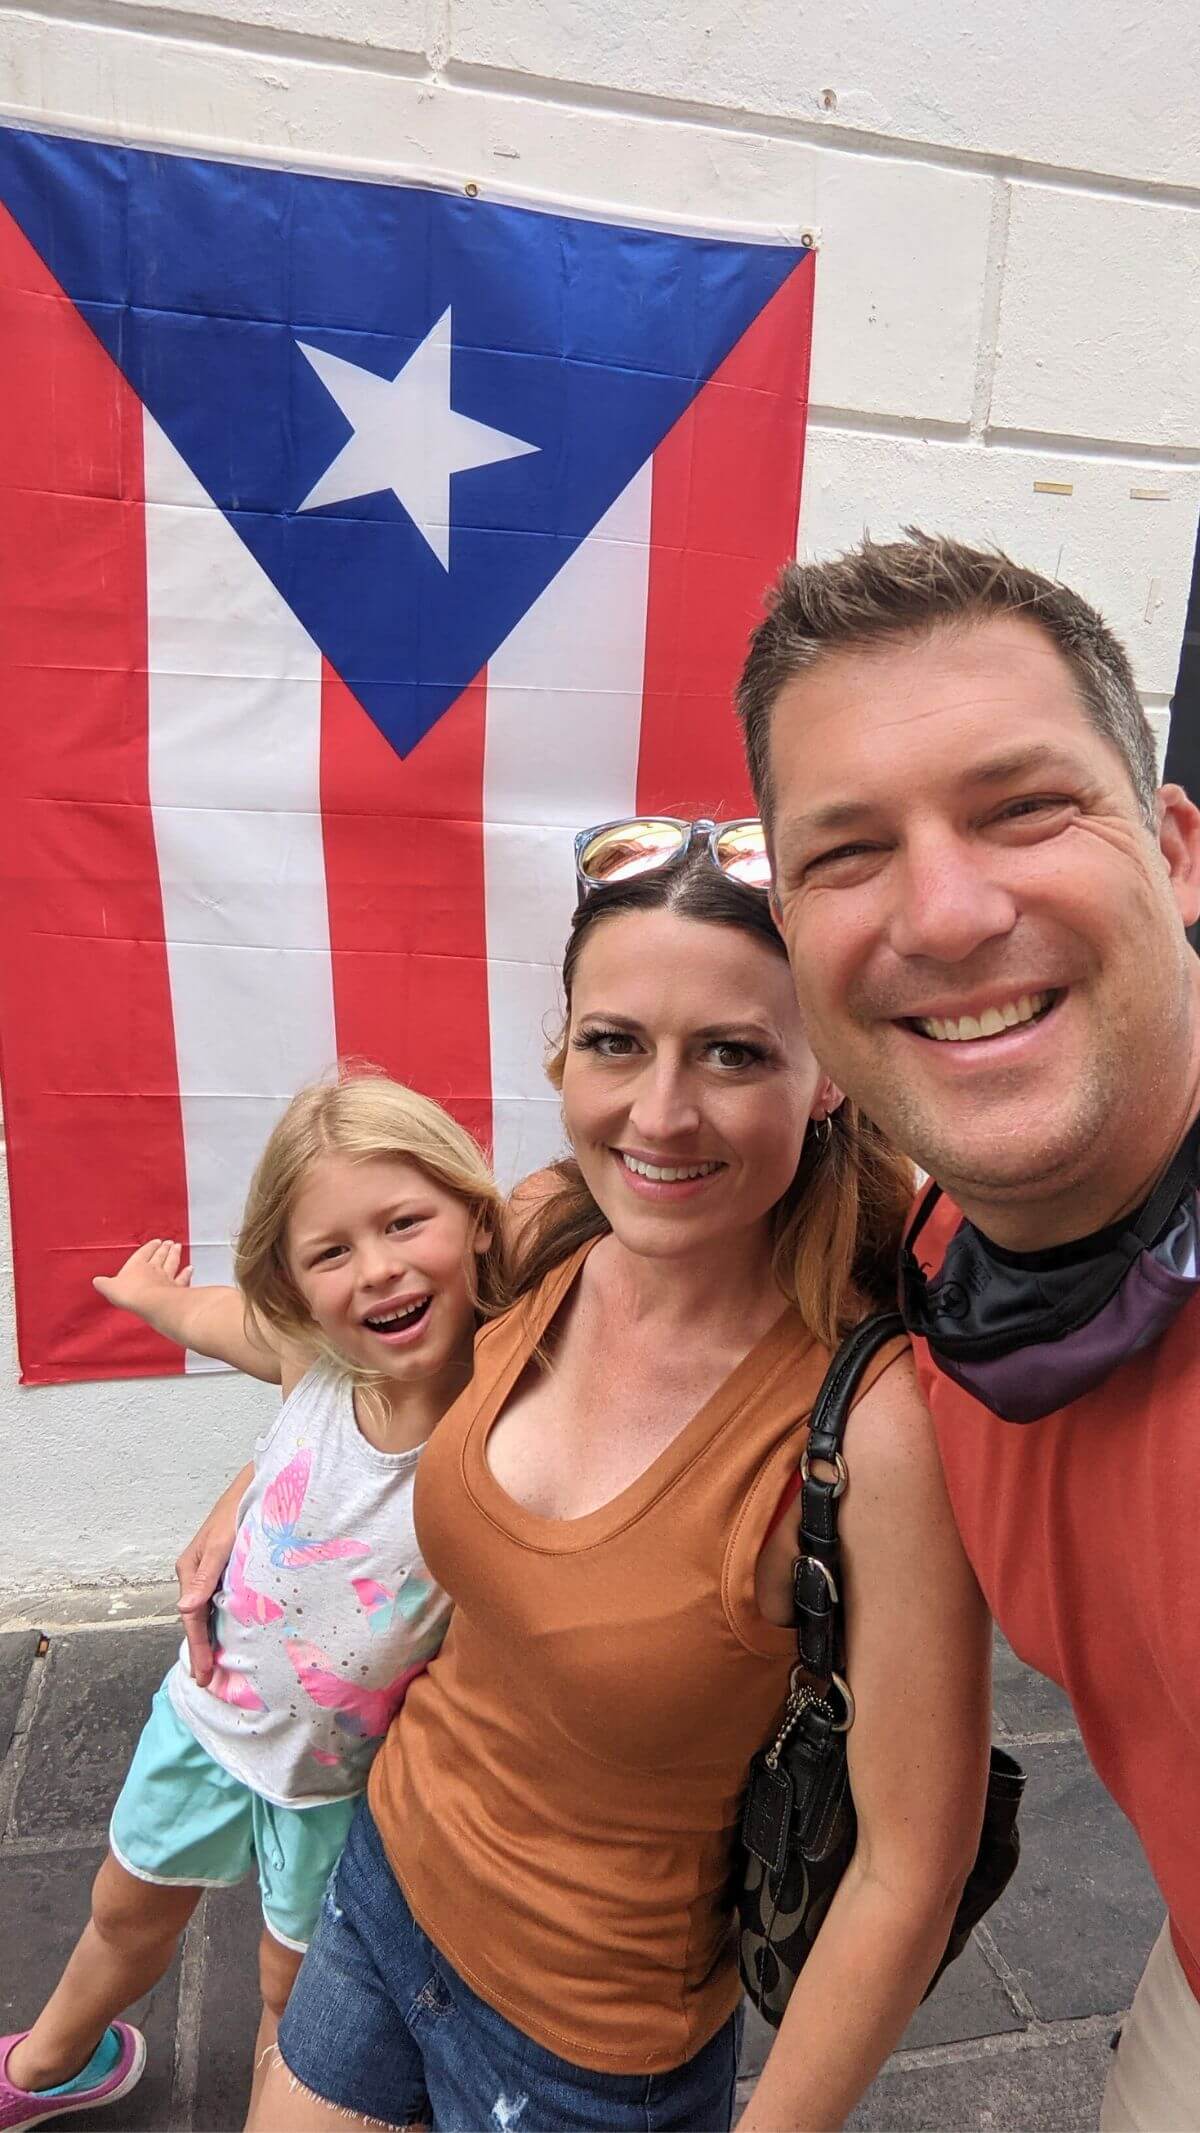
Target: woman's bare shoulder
{"points": [[890, 1425]]}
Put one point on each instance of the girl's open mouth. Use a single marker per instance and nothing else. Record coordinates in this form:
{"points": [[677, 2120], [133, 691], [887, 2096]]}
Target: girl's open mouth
{"points": [[403, 1323]]}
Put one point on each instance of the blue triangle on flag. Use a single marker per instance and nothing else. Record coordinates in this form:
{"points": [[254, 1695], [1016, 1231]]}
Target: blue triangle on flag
{"points": [[411, 405]]}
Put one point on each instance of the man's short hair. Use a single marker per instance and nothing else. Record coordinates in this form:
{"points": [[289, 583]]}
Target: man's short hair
{"points": [[883, 591]]}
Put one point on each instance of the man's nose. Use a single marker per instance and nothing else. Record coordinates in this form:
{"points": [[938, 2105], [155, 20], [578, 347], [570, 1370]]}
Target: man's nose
{"points": [[664, 1105], [949, 901]]}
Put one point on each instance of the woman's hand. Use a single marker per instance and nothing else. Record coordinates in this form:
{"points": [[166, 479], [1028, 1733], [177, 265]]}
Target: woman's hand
{"points": [[200, 1569]]}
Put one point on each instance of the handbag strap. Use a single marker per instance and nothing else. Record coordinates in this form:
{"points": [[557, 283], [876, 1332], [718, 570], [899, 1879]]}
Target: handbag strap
{"points": [[816, 1572]]}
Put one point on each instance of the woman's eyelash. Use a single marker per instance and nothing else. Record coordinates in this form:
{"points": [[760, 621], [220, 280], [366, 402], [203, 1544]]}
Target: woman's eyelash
{"points": [[588, 1039], [739, 1044]]}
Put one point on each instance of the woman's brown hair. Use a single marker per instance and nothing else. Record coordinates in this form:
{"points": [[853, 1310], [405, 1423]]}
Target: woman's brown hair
{"points": [[837, 1228]]}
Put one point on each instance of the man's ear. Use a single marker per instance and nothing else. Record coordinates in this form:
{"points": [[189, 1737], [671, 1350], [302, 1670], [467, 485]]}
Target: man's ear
{"points": [[1179, 843]]}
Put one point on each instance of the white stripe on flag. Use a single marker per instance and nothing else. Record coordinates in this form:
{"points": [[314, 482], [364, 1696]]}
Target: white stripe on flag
{"points": [[235, 737], [564, 712]]}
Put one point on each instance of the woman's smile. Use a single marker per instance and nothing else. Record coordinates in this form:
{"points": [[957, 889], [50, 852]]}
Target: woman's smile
{"points": [[666, 1177]]}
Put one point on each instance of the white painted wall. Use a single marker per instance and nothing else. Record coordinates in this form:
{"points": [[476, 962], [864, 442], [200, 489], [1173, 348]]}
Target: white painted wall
{"points": [[1008, 203]]}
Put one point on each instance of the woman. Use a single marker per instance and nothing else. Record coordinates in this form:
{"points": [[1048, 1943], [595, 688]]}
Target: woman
{"points": [[533, 1922]]}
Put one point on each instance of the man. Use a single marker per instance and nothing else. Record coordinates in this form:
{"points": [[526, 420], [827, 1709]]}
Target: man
{"points": [[984, 894]]}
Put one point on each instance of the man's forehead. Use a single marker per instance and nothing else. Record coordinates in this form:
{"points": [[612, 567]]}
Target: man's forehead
{"points": [[975, 704], [1007, 656]]}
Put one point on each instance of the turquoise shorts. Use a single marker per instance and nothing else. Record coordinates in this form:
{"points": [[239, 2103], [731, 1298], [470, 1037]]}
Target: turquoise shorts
{"points": [[182, 1817]]}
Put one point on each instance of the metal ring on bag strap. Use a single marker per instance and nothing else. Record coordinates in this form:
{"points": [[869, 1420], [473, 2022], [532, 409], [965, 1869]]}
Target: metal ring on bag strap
{"points": [[838, 1464], [840, 1683]]}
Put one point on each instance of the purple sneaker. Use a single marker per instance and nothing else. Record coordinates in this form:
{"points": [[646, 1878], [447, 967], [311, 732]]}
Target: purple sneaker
{"points": [[25, 2107]]}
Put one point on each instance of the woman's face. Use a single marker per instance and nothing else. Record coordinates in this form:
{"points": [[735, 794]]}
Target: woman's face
{"points": [[687, 1082]]}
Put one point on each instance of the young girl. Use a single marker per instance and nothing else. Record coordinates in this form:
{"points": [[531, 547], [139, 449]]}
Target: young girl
{"points": [[370, 1241]]}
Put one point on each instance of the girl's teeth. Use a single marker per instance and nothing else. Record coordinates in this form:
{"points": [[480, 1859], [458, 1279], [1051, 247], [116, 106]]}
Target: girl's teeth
{"points": [[672, 1175], [991, 1023], [397, 1318]]}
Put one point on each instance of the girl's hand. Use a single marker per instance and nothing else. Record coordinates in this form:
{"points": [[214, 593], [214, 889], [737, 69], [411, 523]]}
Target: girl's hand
{"points": [[211, 1319], [150, 1278], [200, 1569]]}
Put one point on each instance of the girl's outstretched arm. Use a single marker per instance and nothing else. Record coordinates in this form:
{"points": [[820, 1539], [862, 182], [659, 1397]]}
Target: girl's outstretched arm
{"points": [[211, 1320]]}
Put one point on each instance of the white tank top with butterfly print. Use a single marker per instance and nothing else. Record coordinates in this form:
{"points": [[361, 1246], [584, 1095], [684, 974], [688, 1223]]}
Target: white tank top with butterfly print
{"points": [[325, 1612]]}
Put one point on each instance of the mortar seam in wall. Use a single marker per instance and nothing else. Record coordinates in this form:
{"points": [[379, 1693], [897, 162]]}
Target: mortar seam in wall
{"points": [[438, 33], [961, 436], [682, 111], [450, 75], [244, 40], [989, 309]]}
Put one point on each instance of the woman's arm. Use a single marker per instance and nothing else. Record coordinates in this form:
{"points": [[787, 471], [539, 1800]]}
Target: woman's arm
{"points": [[918, 1660], [200, 1569], [209, 1320]]}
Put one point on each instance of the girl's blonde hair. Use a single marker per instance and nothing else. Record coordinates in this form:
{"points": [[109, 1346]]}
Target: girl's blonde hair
{"points": [[835, 1233], [360, 1115]]}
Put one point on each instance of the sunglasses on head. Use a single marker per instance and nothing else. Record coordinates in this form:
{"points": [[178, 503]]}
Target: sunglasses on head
{"points": [[620, 851]]}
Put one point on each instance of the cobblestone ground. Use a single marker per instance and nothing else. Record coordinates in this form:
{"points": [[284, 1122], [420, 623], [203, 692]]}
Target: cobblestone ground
{"points": [[1016, 2038]]}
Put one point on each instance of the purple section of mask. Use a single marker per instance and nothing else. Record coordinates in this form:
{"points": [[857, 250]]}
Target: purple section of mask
{"points": [[1037, 1380]]}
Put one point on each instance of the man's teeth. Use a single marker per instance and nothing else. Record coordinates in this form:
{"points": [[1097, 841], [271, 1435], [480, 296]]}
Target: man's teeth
{"points": [[664, 1174], [991, 1023], [397, 1318]]}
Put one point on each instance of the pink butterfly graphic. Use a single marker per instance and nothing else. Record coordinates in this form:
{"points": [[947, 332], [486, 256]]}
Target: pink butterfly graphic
{"points": [[233, 1687], [322, 1755], [244, 1603], [364, 1713], [282, 1503]]}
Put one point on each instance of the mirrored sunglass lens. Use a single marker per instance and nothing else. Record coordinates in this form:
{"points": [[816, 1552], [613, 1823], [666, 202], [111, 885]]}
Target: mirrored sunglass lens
{"points": [[742, 853], [629, 848]]}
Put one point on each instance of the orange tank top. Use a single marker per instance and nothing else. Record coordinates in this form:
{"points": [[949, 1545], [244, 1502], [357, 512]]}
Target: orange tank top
{"points": [[559, 1798]]}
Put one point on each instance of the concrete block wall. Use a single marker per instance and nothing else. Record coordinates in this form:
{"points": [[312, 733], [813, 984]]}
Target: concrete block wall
{"points": [[1007, 201]]}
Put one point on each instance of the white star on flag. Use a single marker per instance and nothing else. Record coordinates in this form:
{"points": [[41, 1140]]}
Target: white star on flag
{"points": [[407, 437]]}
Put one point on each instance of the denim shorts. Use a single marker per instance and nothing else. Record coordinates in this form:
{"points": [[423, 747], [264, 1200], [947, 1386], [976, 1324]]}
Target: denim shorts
{"points": [[379, 2024]]}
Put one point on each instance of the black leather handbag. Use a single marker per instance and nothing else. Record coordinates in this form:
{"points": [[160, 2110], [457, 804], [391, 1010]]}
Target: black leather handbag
{"points": [[798, 1825]]}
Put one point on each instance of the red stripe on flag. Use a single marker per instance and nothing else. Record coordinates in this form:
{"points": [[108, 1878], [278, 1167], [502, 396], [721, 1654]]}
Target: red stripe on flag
{"points": [[90, 1086], [725, 505], [405, 887]]}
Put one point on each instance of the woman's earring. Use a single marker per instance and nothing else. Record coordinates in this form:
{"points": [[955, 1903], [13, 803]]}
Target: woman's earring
{"points": [[822, 1138]]}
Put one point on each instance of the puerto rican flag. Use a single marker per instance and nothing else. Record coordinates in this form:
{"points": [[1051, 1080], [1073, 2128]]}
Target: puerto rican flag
{"points": [[361, 542]]}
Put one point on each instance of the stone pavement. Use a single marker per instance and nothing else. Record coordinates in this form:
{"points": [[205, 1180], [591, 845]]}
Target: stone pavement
{"points": [[1016, 2038]]}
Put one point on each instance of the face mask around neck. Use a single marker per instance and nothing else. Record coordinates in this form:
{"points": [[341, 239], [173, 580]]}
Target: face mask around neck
{"points": [[1028, 1334]]}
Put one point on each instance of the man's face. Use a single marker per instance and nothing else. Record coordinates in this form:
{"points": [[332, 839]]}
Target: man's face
{"points": [[985, 937]]}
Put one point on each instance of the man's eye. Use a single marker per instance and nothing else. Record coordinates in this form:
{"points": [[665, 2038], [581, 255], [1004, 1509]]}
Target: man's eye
{"points": [[840, 854], [1032, 805]]}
